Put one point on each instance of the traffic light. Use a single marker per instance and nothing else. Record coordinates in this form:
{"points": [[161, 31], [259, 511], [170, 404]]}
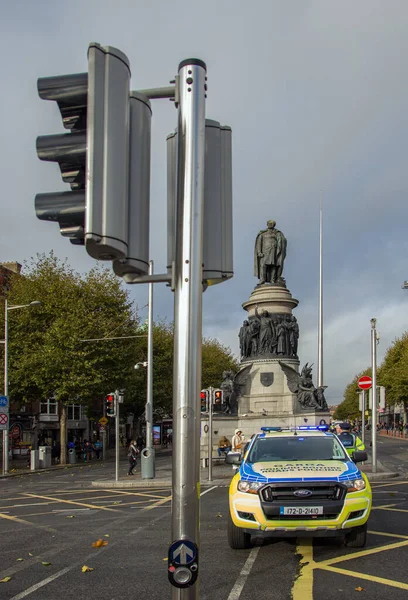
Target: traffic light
{"points": [[204, 401], [110, 405], [218, 400], [105, 158]]}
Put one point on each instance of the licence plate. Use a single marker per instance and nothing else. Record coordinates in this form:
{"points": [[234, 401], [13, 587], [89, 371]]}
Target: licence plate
{"points": [[302, 511]]}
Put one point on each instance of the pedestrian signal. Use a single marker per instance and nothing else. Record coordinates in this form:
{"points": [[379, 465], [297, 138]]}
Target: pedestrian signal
{"points": [[218, 400], [204, 401], [110, 405]]}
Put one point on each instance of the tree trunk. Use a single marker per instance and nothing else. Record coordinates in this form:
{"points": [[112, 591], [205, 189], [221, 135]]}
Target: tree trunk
{"points": [[63, 435]]}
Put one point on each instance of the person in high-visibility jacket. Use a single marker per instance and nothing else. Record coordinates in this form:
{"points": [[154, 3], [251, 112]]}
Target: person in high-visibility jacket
{"points": [[350, 440]]}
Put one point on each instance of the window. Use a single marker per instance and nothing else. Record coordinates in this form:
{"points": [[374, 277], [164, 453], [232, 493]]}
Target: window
{"points": [[49, 407], [74, 412]]}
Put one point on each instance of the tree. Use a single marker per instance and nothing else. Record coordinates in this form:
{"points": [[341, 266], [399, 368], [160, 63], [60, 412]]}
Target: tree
{"points": [[47, 354], [348, 409]]}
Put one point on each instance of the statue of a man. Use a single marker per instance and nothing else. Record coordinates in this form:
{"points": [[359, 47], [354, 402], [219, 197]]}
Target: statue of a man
{"points": [[269, 254]]}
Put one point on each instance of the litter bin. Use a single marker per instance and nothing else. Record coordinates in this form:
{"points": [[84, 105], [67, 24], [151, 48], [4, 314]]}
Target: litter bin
{"points": [[72, 456], [44, 457]]}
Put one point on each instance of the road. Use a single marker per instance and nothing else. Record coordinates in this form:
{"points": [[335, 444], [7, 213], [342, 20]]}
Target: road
{"points": [[55, 517], [393, 453]]}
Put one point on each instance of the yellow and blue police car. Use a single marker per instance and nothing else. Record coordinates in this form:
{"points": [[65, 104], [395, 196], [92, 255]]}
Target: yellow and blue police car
{"points": [[298, 483]]}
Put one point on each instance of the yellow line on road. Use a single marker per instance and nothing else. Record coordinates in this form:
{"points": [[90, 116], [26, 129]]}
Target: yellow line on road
{"points": [[395, 535], [332, 561], [383, 506], [139, 494], [391, 582], [375, 485], [303, 586], [157, 504], [404, 510], [18, 520], [93, 506]]}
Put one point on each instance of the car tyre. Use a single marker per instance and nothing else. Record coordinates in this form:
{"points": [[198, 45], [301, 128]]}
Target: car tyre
{"points": [[238, 539], [357, 537]]}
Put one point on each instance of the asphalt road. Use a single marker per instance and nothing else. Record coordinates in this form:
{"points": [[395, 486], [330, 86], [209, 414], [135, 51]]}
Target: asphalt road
{"points": [[55, 517], [393, 453]]}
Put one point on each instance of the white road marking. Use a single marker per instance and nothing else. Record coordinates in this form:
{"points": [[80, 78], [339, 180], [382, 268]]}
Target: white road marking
{"points": [[209, 490], [70, 510], [243, 576], [41, 584]]}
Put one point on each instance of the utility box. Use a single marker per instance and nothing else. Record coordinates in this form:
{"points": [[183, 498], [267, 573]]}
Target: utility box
{"points": [[44, 457], [34, 460]]}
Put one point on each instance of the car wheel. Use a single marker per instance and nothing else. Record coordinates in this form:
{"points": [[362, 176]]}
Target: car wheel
{"points": [[238, 539], [357, 537]]}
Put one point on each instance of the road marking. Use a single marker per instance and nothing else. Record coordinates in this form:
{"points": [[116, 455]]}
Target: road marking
{"points": [[303, 585], [383, 506], [332, 561], [357, 575], [396, 535], [71, 502], [140, 494], [18, 520], [41, 584], [214, 487], [245, 571], [376, 485], [404, 510], [157, 504]]}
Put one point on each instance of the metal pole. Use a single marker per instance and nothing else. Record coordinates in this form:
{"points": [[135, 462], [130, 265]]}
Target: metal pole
{"points": [[117, 436], [188, 309], [320, 327], [148, 458], [210, 427], [363, 404], [104, 435], [374, 392], [6, 386]]}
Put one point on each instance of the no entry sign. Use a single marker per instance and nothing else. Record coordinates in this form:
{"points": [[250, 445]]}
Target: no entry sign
{"points": [[365, 382]]}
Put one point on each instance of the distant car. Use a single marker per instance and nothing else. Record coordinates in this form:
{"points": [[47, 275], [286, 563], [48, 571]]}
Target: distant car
{"points": [[301, 482]]}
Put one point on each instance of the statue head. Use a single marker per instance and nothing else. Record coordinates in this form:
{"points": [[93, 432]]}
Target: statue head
{"points": [[265, 313], [271, 224], [246, 322]]}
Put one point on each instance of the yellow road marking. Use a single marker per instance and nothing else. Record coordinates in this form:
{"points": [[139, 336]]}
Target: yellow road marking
{"points": [[303, 585], [140, 494], [93, 506], [383, 506], [404, 510], [375, 486], [357, 575], [396, 535], [157, 504], [18, 520], [332, 561]]}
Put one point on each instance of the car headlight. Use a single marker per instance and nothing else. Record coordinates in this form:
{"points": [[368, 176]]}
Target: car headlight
{"points": [[354, 485], [250, 487]]}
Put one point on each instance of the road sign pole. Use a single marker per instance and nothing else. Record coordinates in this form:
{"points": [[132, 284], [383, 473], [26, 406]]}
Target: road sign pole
{"points": [[104, 435], [374, 389], [210, 428], [363, 416], [6, 431], [117, 435], [188, 311], [148, 453]]}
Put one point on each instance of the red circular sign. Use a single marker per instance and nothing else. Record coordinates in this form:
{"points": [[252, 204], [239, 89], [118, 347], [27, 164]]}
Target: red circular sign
{"points": [[3, 419], [365, 382]]}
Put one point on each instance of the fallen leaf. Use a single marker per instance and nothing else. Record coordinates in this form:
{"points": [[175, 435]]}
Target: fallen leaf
{"points": [[218, 515], [107, 535], [70, 516], [29, 554], [20, 559], [86, 569], [46, 564], [99, 544], [116, 503], [5, 580], [359, 589], [165, 558]]}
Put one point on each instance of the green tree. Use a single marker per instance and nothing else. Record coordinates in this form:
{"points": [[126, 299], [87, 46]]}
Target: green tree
{"points": [[348, 409], [47, 354]]}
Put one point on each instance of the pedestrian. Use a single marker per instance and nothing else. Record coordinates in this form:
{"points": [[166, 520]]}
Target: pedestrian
{"points": [[132, 455], [97, 448], [224, 446], [237, 441]]}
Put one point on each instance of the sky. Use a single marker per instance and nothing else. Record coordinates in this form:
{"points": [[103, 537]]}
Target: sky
{"points": [[316, 94]]}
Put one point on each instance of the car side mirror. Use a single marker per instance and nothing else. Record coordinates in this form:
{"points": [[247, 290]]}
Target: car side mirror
{"points": [[359, 456], [233, 458]]}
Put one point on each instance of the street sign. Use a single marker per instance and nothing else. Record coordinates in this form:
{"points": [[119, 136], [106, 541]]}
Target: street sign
{"points": [[103, 420], [4, 421], [365, 382], [183, 563], [183, 552], [102, 428], [3, 401]]}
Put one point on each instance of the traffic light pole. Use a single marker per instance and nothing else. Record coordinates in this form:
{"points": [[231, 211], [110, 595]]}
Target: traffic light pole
{"points": [[116, 436], [148, 458], [210, 430], [363, 408], [374, 394], [188, 322]]}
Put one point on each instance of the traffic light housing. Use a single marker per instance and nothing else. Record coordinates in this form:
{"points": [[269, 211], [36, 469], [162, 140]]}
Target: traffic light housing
{"points": [[204, 400], [218, 400], [110, 403], [105, 158]]}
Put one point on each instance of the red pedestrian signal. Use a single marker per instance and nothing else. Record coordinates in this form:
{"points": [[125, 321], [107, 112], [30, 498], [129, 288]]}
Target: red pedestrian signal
{"points": [[218, 400], [110, 405], [204, 401]]}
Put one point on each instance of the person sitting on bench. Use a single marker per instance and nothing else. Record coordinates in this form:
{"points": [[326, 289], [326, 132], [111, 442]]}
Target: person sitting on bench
{"points": [[224, 446]]}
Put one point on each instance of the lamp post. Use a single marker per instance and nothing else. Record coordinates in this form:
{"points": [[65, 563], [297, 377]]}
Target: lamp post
{"points": [[374, 392], [7, 308]]}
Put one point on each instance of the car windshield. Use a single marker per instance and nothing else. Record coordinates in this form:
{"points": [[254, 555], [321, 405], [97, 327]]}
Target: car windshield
{"points": [[296, 448]]}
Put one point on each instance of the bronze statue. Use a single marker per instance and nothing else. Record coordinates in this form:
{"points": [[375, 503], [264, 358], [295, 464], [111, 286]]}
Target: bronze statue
{"points": [[269, 254], [302, 385]]}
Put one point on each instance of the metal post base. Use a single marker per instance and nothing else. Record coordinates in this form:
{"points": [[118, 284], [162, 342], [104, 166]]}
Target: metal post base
{"points": [[147, 463]]}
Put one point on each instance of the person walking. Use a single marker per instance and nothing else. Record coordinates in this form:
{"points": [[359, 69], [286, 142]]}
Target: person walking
{"points": [[237, 441], [132, 455]]}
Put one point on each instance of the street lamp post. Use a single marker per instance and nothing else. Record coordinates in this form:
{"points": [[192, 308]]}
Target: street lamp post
{"points": [[6, 378], [374, 392]]}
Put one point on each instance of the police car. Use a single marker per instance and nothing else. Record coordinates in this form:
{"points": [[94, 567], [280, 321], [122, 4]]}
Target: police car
{"points": [[298, 483]]}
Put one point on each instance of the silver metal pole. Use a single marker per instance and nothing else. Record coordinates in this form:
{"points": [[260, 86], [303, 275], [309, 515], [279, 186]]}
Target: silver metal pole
{"points": [[363, 405], [117, 436], [210, 427], [320, 327], [374, 392], [148, 458], [188, 309], [6, 389], [104, 435]]}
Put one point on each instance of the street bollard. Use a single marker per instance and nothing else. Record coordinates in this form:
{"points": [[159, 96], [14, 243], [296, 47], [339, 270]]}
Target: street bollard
{"points": [[147, 463]]}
